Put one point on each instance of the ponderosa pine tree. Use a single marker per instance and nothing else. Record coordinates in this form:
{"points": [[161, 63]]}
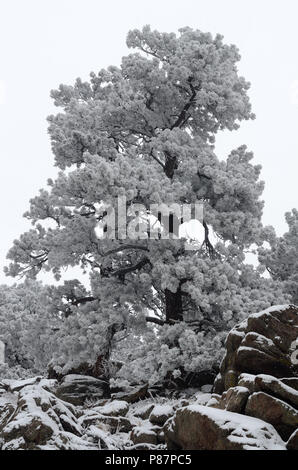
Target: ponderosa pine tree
{"points": [[146, 131]]}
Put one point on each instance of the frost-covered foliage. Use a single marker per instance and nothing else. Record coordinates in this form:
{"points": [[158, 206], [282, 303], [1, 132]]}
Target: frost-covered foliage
{"points": [[81, 338], [170, 353], [145, 130], [26, 328], [14, 372], [281, 259]]}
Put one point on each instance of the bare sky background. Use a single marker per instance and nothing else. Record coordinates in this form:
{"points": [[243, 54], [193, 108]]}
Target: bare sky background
{"points": [[45, 43]]}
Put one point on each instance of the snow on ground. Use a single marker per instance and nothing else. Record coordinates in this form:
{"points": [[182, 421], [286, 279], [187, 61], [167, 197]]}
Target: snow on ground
{"points": [[115, 406]]}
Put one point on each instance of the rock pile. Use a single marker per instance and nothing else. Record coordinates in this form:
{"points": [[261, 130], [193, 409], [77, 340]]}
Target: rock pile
{"points": [[265, 343], [256, 392], [254, 404]]}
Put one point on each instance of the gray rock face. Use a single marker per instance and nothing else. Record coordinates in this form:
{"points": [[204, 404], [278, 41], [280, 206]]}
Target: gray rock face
{"points": [[259, 359], [160, 414], [76, 389], [6, 412], [260, 345], [132, 394], [277, 388], [233, 399], [114, 408], [35, 418], [202, 428], [144, 435], [292, 443], [144, 411], [274, 411], [291, 382]]}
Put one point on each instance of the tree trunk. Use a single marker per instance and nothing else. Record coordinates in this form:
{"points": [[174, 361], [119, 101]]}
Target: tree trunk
{"points": [[174, 309], [101, 367]]}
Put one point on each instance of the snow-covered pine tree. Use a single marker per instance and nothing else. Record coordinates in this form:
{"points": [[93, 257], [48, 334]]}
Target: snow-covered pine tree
{"points": [[145, 130], [26, 327], [281, 258]]}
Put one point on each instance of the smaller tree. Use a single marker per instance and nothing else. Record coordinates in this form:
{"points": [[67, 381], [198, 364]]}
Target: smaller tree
{"points": [[26, 326], [281, 258]]}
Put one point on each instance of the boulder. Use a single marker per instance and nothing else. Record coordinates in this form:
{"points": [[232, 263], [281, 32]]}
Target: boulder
{"points": [[33, 430], [202, 428], [76, 389], [160, 414], [131, 394], [247, 381], [38, 417], [143, 411], [114, 408], [17, 385], [215, 401], [144, 435], [277, 388], [14, 386], [292, 443], [98, 369], [6, 412], [235, 399], [199, 399], [262, 344], [116, 424], [291, 382], [111, 424], [280, 414], [255, 362]]}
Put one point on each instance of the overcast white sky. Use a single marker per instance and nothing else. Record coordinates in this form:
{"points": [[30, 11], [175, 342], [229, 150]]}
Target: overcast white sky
{"points": [[47, 42]]}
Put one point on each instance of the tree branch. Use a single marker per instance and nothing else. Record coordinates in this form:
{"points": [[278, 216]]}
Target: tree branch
{"points": [[182, 116], [155, 320], [81, 300], [157, 159], [121, 272]]}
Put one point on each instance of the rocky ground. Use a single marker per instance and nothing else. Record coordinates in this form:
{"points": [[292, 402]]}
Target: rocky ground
{"points": [[254, 404]]}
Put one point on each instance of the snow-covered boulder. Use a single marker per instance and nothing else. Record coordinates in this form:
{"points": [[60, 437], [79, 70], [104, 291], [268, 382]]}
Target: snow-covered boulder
{"points": [[143, 411], [279, 389], [233, 399], [262, 344], [35, 418], [38, 417], [131, 394], [7, 409], [144, 434], [160, 414], [76, 389], [280, 414], [203, 428], [112, 424], [16, 385], [113, 408]]}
